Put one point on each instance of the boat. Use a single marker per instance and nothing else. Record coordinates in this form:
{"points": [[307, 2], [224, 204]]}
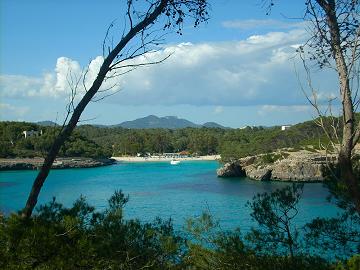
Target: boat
{"points": [[174, 162]]}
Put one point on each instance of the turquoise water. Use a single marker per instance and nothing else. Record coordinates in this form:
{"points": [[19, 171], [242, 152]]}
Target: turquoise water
{"points": [[160, 190]]}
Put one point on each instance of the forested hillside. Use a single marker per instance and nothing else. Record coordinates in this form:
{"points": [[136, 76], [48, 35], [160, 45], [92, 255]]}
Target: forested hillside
{"points": [[93, 141], [14, 144]]}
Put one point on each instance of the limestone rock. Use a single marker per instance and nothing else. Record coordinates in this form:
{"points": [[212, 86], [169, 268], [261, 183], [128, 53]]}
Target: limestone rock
{"points": [[60, 163], [291, 166], [233, 169], [297, 171]]}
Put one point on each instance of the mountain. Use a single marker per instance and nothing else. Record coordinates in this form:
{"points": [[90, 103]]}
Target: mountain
{"points": [[46, 123], [152, 121], [212, 125], [170, 122]]}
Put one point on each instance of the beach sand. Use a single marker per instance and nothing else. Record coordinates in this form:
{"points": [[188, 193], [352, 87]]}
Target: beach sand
{"points": [[158, 158]]}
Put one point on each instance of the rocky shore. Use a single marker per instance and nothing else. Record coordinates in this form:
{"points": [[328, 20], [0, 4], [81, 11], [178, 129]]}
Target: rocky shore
{"points": [[300, 166], [60, 163]]}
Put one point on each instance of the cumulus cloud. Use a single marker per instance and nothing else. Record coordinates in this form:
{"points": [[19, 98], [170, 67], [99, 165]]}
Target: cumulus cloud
{"points": [[255, 71], [19, 86]]}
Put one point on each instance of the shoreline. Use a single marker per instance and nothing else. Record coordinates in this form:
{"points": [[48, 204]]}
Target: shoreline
{"points": [[13, 164], [165, 159]]}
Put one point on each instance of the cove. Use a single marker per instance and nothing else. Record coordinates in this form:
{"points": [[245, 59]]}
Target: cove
{"points": [[158, 189]]}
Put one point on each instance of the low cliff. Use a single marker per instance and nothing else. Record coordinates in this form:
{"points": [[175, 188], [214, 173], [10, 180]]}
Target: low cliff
{"points": [[281, 166], [60, 163]]}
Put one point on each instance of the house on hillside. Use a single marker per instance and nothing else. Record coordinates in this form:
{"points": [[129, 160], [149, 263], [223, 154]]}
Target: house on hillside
{"points": [[285, 127], [32, 133]]}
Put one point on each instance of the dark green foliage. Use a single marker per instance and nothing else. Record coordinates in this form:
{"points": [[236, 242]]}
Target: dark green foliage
{"points": [[92, 141], [6, 149], [274, 214], [13, 143], [212, 248], [339, 191], [339, 235], [122, 141], [275, 243], [81, 238], [230, 143], [250, 141], [352, 264]]}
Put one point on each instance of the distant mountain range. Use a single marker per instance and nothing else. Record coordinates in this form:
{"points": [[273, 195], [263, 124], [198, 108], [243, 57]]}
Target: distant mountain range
{"points": [[46, 123], [170, 122], [151, 121]]}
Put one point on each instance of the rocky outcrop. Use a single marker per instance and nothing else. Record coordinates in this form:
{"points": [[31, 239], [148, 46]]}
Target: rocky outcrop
{"points": [[287, 166], [232, 169], [259, 173], [60, 163]]}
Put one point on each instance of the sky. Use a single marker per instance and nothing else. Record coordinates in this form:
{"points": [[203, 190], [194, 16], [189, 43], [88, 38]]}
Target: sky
{"points": [[239, 68]]}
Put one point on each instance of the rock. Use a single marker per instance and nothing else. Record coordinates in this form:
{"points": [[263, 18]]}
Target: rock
{"points": [[246, 161], [258, 173], [293, 166], [233, 169], [60, 163], [266, 176], [297, 171], [17, 166]]}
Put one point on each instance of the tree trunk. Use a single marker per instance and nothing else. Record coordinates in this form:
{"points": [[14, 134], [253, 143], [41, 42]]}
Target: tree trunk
{"points": [[350, 179], [66, 132], [348, 141]]}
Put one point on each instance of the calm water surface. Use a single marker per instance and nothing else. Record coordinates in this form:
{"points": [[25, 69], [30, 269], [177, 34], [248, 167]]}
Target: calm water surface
{"points": [[159, 190]]}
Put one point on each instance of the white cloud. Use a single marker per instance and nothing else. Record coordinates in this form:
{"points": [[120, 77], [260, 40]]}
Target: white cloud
{"points": [[274, 108], [260, 24], [56, 84], [306, 111], [19, 86], [67, 72], [255, 71], [8, 109], [218, 109]]}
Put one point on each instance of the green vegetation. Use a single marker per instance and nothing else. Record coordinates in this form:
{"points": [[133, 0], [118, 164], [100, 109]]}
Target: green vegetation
{"points": [[230, 143], [79, 237], [270, 158], [92, 141], [14, 144]]}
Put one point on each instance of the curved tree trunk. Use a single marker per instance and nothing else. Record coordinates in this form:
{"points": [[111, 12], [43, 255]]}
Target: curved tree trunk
{"points": [[350, 179], [67, 130], [350, 137]]}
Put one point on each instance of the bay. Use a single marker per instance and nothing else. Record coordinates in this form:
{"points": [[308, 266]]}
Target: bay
{"points": [[158, 189]]}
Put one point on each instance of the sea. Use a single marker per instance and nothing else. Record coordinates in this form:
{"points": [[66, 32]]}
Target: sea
{"points": [[159, 189]]}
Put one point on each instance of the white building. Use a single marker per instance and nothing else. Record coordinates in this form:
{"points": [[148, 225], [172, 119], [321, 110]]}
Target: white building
{"points": [[31, 133], [285, 127]]}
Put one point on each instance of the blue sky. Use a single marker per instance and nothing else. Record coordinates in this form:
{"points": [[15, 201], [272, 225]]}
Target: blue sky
{"points": [[238, 69]]}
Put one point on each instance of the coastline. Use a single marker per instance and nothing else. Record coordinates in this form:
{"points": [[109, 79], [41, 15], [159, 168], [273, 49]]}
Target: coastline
{"points": [[11, 164], [164, 159]]}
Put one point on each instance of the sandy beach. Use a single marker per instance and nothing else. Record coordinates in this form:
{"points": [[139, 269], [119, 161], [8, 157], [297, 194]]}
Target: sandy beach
{"points": [[159, 158]]}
